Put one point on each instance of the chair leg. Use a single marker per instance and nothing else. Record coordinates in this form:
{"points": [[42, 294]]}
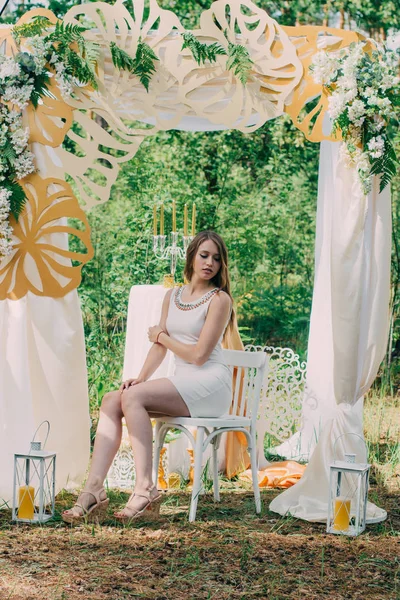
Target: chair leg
{"points": [[254, 472], [198, 460], [158, 442], [215, 469]]}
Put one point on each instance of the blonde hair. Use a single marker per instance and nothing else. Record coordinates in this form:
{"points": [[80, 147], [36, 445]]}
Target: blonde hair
{"points": [[221, 279]]}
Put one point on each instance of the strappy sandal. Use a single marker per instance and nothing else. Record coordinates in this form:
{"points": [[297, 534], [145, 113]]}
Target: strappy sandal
{"points": [[150, 510], [93, 513]]}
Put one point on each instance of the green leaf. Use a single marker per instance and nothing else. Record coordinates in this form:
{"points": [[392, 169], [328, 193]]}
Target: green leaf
{"points": [[121, 59], [8, 153], [40, 88], [80, 69], [67, 34], [145, 63], [202, 52], [386, 166], [17, 198], [239, 62], [142, 65], [90, 51], [35, 27]]}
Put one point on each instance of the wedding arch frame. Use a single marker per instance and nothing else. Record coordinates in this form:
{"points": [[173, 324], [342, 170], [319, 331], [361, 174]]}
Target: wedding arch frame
{"points": [[38, 281]]}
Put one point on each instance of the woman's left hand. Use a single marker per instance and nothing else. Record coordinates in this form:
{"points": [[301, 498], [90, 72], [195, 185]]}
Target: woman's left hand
{"points": [[153, 333]]}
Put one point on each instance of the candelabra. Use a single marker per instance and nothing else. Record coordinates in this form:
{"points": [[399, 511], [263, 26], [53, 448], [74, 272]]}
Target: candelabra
{"points": [[172, 252]]}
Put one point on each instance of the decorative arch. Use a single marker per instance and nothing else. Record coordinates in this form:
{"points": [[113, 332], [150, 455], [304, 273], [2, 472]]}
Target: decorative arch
{"points": [[181, 91]]}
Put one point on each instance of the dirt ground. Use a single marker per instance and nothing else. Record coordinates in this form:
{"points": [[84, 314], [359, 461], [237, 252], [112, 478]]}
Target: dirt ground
{"points": [[229, 553]]}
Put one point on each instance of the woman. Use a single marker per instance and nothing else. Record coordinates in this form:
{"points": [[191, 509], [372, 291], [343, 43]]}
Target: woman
{"points": [[193, 322]]}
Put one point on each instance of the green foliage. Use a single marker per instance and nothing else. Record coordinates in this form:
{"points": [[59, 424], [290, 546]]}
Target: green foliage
{"points": [[386, 166], [8, 153], [67, 34], [36, 27], [202, 52], [40, 88], [239, 62], [78, 67], [143, 65], [121, 59], [79, 64], [18, 198]]}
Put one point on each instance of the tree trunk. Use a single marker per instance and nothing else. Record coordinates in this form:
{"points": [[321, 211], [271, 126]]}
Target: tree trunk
{"points": [[341, 21]]}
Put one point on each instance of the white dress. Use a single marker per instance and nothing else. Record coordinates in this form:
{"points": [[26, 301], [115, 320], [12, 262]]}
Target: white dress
{"points": [[206, 389]]}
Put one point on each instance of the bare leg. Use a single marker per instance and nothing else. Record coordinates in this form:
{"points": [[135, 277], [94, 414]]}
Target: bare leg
{"points": [[139, 402], [107, 442]]}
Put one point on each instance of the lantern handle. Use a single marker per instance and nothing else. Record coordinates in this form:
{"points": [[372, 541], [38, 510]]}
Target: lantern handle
{"points": [[48, 432], [348, 433]]}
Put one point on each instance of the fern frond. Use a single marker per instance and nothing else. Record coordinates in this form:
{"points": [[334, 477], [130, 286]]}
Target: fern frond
{"points": [[27, 30], [80, 69], [239, 61], [40, 88], [386, 166], [8, 153], [144, 63], [90, 52], [202, 52], [17, 198], [68, 33], [121, 59]]}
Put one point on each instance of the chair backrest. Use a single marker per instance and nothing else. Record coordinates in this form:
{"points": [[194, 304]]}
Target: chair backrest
{"points": [[248, 370]]}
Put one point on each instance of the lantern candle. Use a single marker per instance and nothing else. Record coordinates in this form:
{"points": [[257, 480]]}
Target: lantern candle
{"points": [[173, 215], [26, 507], [194, 220], [155, 220], [185, 221], [162, 219], [341, 517], [26, 495]]}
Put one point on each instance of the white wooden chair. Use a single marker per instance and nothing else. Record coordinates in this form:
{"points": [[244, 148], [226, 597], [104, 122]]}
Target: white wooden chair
{"points": [[250, 367]]}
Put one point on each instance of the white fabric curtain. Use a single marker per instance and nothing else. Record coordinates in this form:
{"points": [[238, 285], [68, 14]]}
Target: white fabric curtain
{"points": [[349, 326], [43, 377]]}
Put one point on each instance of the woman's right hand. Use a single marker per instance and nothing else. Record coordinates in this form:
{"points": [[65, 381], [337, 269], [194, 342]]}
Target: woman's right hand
{"points": [[128, 383]]}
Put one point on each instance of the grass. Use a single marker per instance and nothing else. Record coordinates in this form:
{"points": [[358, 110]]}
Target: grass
{"points": [[229, 553]]}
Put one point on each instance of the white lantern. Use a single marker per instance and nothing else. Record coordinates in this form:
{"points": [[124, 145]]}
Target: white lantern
{"points": [[34, 483], [348, 494]]}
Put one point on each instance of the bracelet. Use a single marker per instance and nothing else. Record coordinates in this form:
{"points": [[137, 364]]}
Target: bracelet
{"points": [[159, 333]]}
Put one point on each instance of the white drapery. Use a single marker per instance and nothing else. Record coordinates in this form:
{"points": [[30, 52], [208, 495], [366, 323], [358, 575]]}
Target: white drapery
{"points": [[43, 376], [349, 325]]}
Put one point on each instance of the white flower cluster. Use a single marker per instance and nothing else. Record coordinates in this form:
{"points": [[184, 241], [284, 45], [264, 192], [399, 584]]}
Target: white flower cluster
{"points": [[324, 67], [14, 143], [8, 68], [376, 145], [358, 103], [6, 244], [65, 82], [38, 48], [19, 95], [16, 162]]}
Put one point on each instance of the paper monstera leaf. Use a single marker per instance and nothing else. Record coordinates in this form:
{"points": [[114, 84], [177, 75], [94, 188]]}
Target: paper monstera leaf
{"points": [[276, 70], [41, 262], [105, 140]]}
